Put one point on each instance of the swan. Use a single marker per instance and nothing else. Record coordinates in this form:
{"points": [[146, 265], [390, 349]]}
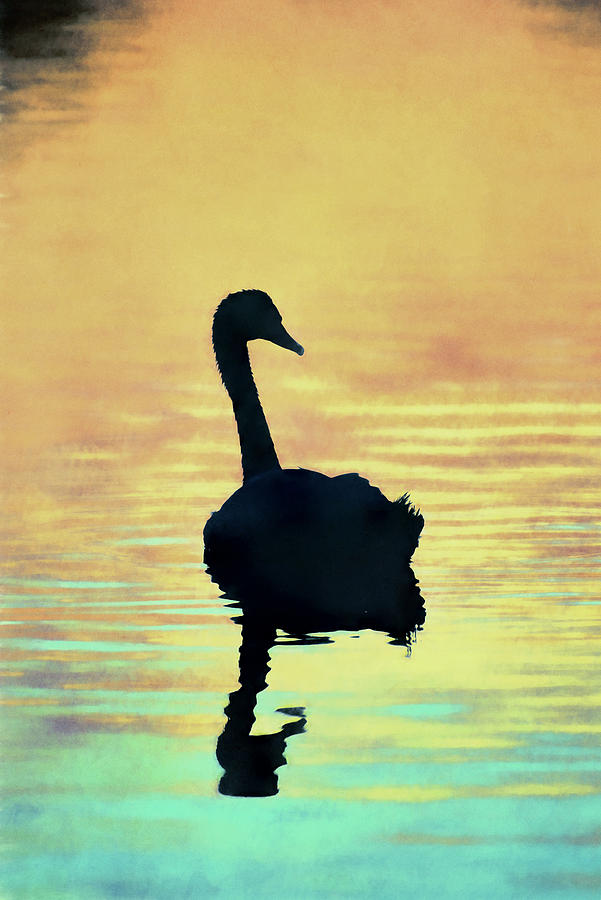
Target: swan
{"points": [[305, 546]]}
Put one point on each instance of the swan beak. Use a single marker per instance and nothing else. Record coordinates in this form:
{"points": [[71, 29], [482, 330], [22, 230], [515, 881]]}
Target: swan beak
{"points": [[285, 340]]}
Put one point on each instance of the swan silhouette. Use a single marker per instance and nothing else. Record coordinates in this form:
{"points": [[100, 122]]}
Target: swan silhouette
{"points": [[306, 550]]}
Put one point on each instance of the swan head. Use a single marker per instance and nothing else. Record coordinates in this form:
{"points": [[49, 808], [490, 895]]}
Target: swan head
{"points": [[252, 315]]}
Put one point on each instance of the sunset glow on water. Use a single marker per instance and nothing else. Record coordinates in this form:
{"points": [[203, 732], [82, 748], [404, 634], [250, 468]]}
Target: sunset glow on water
{"points": [[417, 187]]}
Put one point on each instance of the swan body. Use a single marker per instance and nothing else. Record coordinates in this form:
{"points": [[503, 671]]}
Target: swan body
{"points": [[293, 539]]}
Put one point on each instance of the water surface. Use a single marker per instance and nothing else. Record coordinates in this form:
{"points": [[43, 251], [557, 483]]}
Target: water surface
{"points": [[422, 217]]}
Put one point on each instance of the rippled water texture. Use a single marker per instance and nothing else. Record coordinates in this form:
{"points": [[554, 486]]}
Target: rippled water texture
{"points": [[417, 187]]}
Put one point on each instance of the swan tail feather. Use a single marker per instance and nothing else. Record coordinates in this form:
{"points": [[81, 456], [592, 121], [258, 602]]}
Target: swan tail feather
{"points": [[410, 514]]}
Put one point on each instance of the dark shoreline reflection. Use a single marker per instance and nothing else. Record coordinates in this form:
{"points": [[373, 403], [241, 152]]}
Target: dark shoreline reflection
{"points": [[45, 44], [392, 605], [42, 29]]}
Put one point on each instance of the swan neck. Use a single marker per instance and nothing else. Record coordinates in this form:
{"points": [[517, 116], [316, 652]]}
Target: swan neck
{"points": [[256, 446]]}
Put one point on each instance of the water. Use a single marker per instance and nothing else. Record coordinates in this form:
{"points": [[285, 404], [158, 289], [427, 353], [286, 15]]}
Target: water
{"points": [[451, 329]]}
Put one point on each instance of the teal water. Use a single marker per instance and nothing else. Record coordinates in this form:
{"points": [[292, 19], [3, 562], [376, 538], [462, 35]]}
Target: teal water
{"points": [[468, 767]]}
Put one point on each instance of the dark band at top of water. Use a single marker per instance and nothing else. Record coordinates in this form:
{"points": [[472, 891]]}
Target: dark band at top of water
{"points": [[46, 44]]}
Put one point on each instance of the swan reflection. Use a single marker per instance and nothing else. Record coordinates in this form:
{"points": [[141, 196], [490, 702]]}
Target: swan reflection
{"points": [[250, 761]]}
